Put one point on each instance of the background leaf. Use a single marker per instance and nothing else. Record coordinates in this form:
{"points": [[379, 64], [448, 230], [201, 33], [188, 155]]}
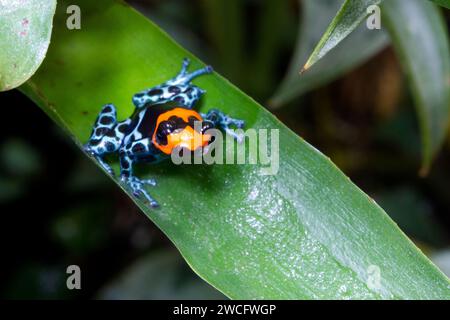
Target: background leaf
{"points": [[306, 232], [420, 36], [353, 51], [351, 14], [158, 275], [444, 3], [413, 213], [224, 22], [25, 29]]}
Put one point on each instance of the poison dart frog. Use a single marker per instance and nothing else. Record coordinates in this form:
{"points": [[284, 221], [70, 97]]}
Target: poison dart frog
{"points": [[162, 121]]}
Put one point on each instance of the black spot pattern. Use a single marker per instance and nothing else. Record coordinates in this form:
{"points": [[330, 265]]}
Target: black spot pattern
{"points": [[188, 92], [100, 131], [122, 128], [124, 163], [109, 146], [107, 109], [110, 133], [105, 120], [174, 89], [155, 92], [179, 99], [138, 148], [94, 142]]}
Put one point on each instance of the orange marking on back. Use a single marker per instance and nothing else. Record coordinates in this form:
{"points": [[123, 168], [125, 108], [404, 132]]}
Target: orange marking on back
{"points": [[187, 138]]}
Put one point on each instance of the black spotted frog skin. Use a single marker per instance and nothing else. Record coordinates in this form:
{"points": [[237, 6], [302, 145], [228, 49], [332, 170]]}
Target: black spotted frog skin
{"points": [[162, 122]]}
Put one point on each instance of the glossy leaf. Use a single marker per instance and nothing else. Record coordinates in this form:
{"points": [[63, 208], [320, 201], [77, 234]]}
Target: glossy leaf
{"points": [[420, 37], [25, 29], [305, 232], [352, 52]]}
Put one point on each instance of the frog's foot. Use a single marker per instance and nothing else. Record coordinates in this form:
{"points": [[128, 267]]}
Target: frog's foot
{"points": [[92, 152], [224, 122], [105, 166], [137, 185], [185, 78], [184, 67]]}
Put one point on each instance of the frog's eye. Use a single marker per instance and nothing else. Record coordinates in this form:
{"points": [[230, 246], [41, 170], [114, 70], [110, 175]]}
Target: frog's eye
{"points": [[165, 128]]}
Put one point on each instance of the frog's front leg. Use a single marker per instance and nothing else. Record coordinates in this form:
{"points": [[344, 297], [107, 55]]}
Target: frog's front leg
{"points": [[222, 121], [136, 185], [105, 137]]}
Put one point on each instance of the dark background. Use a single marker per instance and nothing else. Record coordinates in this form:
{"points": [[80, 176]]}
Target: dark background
{"points": [[58, 209]]}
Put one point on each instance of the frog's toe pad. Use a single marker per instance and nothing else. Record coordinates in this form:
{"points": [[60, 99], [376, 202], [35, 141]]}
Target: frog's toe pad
{"points": [[150, 182], [137, 187]]}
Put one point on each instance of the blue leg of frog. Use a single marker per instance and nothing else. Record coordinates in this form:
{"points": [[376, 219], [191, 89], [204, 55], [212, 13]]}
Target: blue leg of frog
{"points": [[221, 121], [103, 139], [134, 152], [178, 89]]}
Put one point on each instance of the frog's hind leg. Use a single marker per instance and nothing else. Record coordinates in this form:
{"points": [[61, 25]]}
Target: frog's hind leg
{"points": [[103, 139], [178, 89], [184, 66], [184, 92], [185, 78], [136, 185]]}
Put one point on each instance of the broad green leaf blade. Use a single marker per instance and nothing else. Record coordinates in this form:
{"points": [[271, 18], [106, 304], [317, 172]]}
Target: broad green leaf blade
{"points": [[444, 3], [420, 37], [351, 52], [351, 14], [25, 29], [307, 232]]}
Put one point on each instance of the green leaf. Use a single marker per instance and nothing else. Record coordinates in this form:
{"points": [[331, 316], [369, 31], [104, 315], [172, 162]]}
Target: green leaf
{"points": [[306, 232], [25, 29], [353, 51], [444, 3], [351, 14], [420, 36], [421, 39]]}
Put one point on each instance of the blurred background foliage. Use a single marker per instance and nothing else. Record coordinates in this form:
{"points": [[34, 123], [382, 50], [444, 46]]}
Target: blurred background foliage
{"points": [[356, 108]]}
